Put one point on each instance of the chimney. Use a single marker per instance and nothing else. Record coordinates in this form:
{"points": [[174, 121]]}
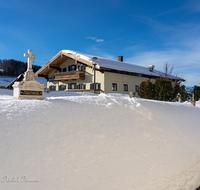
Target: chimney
{"points": [[120, 58], [151, 67]]}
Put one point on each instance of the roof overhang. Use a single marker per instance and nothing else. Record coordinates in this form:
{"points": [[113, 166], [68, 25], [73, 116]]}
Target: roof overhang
{"points": [[64, 55], [58, 60]]}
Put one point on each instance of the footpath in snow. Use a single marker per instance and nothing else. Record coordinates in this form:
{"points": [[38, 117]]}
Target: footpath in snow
{"points": [[86, 141]]}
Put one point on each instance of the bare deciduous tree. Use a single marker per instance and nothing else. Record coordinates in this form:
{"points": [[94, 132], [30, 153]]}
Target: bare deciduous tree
{"points": [[168, 70]]}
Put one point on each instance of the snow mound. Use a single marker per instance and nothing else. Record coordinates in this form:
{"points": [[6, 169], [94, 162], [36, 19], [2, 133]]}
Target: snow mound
{"points": [[84, 141], [102, 99]]}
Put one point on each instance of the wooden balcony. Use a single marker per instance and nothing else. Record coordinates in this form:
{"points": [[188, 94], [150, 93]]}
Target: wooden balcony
{"points": [[71, 75]]}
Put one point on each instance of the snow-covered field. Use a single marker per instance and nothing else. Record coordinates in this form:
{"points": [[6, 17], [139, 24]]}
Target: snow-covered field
{"points": [[98, 142]]}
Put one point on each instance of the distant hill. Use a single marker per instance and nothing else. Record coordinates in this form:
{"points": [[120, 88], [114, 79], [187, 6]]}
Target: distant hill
{"points": [[13, 67]]}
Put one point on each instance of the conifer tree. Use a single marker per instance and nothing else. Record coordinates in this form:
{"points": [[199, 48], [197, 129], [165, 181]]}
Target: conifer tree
{"points": [[196, 92], [165, 88]]}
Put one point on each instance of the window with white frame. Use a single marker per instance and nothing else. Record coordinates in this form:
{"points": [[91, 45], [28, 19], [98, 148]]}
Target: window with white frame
{"points": [[136, 88], [52, 88], [97, 85], [62, 87], [81, 86], [125, 87], [72, 86], [114, 86], [81, 67]]}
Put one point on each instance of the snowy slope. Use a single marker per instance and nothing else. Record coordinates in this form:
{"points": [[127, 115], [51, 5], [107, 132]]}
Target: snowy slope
{"points": [[4, 81], [86, 141]]}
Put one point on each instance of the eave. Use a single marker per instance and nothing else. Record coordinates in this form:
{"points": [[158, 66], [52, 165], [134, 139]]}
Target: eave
{"points": [[58, 60]]}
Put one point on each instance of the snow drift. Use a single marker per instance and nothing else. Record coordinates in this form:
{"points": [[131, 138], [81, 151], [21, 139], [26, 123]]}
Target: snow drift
{"points": [[84, 141]]}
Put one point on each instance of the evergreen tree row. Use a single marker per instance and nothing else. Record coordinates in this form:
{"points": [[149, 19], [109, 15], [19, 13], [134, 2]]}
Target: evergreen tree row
{"points": [[167, 89], [196, 91], [162, 89], [13, 67]]}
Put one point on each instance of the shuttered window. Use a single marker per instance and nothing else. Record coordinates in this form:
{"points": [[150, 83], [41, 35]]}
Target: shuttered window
{"points": [[72, 68], [81, 86], [98, 86], [76, 86], [72, 86], [81, 67], [52, 88], [62, 87]]}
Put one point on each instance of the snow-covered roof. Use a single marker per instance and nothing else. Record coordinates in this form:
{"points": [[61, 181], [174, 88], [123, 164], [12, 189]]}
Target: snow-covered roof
{"points": [[118, 65], [102, 63], [19, 78]]}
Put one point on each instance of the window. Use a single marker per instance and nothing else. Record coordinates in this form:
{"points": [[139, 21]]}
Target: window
{"points": [[62, 87], [72, 68], [64, 69], [125, 87], [76, 86], [72, 86], [136, 88], [98, 86], [52, 78], [81, 86], [81, 67], [114, 86], [52, 88]]}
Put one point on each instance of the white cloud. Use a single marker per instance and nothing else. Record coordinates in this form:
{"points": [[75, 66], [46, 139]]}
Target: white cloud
{"points": [[96, 39], [99, 40], [186, 63], [92, 38], [179, 45]]}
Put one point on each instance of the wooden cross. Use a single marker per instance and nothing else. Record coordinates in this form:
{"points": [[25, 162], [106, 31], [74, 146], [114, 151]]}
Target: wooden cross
{"points": [[30, 57]]}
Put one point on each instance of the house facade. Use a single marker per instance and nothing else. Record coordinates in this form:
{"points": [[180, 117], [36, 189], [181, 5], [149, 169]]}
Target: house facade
{"points": [[74, 71]]}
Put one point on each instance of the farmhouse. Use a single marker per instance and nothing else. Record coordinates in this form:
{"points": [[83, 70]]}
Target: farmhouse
{"points": [[75, 71]]}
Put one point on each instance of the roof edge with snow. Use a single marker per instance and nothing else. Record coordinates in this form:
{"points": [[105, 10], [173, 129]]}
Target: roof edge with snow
{"points": [[102, 64]]}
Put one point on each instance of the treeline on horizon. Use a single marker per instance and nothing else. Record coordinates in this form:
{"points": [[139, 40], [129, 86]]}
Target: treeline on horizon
{"points": [[13, 67]]}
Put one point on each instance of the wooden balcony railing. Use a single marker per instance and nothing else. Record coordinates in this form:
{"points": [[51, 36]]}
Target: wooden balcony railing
{"points": [[71, 75]]}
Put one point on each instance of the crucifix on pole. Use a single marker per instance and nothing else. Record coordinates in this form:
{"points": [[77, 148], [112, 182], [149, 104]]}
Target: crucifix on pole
{"points": [[29, 74], [29, 88], [30, 56]]}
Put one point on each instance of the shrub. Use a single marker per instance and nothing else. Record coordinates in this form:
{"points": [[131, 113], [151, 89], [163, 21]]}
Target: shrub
{"points": [[196, 92], [147, 90], [163, 89]]}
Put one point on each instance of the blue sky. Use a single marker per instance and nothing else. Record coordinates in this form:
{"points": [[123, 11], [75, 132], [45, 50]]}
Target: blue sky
{"points": [[143, 31]]}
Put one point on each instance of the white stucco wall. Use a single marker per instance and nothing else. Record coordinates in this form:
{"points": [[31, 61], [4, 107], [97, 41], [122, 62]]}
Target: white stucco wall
{"points": [[122, 79], [89, 77], [106, 79]]}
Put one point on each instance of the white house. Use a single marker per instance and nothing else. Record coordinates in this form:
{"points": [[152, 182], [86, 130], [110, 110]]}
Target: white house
{"points": [[71, 70]]}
